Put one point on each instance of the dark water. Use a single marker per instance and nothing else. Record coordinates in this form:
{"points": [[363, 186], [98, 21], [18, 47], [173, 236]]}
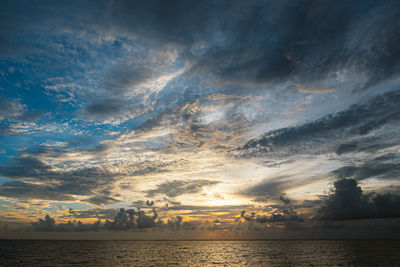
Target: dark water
{"points": [[199, 253]]}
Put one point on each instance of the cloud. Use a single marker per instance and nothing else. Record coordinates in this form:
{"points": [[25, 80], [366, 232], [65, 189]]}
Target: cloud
{"points": [[21, 167], [270, 188], [125, 77], [34, 179], [299, 88], [102, 199], [201, 209], [100, 213], [241, 49], [46, 225], [114, 110], [386, 166], [128, 219], [358, 36], [27, 191], [105, 108], [274, 186], [182, 79], [309, 138], [10, 108], [302, 32], [286, 214], [180, 187], [348, 202], [176, 22], [13, 114], [124, 220]]}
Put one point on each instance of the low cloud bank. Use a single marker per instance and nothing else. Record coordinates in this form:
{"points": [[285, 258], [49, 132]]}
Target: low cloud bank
{"points": [[286, 214], [349, 202]]}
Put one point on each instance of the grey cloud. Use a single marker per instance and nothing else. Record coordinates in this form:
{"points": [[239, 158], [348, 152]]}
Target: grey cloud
{"points": [[349, 202], [98, 149], [386, 166], [102, 199], [271, 188], [21, 167], [128, 219], [100, 213], [13, 110], [55, 184], [356, 121], [105, 108], [29, 116], [345, 148], [125, 77], [94, 183], [10, 108], [180, 187], [287, 214], [177, 22], [81, 140], [114, 108], [383, 63], [274, 187], [237, 34], [23, 190], [303, 31], [123, 220], [48, 224]]}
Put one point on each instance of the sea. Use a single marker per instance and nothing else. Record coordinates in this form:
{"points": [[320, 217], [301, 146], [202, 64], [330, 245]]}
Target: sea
{"points": [[200, 253]]}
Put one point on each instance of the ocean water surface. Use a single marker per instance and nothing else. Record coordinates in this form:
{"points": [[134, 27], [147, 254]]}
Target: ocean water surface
{"points": [[200, 253]]}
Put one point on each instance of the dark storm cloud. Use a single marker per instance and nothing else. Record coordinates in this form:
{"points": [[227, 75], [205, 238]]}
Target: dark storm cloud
{"points": [[300, 31], [356, 121], [172, 22], [383, 167], [384, 62], [303, 31], [21, 18], [349, 202], [180, 187], [259, 41], [179, 22]]}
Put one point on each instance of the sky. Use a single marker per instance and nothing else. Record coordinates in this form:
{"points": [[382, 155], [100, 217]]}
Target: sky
{"points": [[201, 119]]}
